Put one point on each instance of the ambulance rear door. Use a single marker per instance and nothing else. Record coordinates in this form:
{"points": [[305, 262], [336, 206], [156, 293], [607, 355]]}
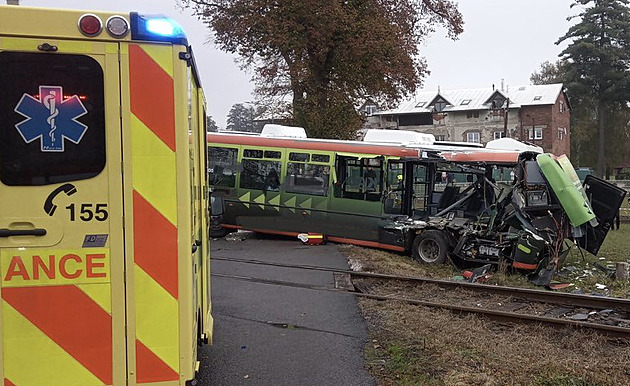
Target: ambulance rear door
{"points": [[61, 218]]}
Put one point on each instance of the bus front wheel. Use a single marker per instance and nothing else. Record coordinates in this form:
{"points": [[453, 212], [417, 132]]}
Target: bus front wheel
{"points": [[430, 247]]}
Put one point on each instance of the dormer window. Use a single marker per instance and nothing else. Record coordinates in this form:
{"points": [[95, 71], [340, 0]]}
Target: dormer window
{"points": [[370, 110], [439, 106], [496, 101]]}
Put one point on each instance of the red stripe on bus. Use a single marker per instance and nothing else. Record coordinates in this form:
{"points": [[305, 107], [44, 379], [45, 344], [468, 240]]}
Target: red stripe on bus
{"points": [[341, 240], [8, 383], [155, 244], [72, 320], [472, 156], [152, 95], [150, 368]]}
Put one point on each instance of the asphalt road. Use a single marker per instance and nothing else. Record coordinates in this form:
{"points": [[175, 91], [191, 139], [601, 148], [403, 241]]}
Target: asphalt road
{"points": [[278, 335]]}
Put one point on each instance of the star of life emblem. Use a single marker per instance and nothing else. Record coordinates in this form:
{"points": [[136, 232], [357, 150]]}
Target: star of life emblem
{"points": [[51, 118]]}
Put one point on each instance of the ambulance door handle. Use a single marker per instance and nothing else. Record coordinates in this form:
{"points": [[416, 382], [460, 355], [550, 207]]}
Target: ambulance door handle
{"points": [[4, 232]]}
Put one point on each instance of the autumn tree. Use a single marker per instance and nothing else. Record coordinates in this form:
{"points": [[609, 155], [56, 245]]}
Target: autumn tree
{"points": [[597, 59], [240, 118], [325, 55]]}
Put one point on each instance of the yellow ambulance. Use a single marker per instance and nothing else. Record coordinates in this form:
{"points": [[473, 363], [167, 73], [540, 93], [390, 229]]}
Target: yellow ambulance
{"points": [[104, 251]]}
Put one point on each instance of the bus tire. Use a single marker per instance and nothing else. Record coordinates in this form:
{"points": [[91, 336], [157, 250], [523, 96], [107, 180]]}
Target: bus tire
{"points": [[217, 233], [430, 247]]}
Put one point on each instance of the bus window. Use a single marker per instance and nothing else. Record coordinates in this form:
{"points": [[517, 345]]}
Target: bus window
{"points": [[324, 158], [222, 166], [261, 175], [306, 178], [395, 188], [39, 91], [273, 154], [300, 157], [420, 189], [360, 178]]}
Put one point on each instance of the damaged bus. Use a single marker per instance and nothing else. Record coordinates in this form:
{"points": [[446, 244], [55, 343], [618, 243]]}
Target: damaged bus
{"points": [[433, 200]]}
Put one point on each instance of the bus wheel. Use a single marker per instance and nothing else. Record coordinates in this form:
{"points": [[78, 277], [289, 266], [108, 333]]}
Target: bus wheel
{"points": [[430, 247], [216, 229], [217, 233]]}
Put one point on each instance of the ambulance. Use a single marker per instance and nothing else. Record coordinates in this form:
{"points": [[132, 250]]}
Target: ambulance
{"points": [[104, 251]]}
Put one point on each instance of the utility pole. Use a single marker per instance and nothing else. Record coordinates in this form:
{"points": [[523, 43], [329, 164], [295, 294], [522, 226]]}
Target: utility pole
{"points": [[505, 120]]}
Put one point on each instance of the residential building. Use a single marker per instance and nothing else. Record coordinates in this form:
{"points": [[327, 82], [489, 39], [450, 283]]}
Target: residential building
{"points": [[538, 114]]}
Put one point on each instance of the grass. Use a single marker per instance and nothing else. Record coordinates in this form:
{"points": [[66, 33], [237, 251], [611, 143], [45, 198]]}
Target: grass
{"points": [[412, 345]]}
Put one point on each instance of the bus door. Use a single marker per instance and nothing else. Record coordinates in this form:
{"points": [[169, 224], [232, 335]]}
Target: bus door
{"points": [[355, 207], [395, 195], [61, 229]]}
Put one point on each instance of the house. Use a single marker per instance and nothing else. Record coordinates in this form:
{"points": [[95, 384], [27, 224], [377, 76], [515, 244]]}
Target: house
{"points": [[539, 114]]}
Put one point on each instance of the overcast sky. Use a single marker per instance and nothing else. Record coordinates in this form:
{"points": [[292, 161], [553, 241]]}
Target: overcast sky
{"points": [[502, 39]]}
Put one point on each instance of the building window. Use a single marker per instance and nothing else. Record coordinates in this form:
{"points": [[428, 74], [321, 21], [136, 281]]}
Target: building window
{"points": [[562, 108], [440, 137], [536, 133], [370, 110], [562, 131], [466, 102], [472, 114], [538, 97], [498, 134], [439, 106], [473, 136], [421, 104]]}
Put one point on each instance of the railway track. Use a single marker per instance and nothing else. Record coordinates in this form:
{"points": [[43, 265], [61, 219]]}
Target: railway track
{"points": [[607, 315]]}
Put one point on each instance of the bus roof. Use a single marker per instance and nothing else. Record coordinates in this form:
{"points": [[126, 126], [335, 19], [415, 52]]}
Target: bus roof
{"points": [[450, 153]]}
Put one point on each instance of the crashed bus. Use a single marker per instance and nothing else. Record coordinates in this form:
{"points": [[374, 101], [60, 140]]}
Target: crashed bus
{"points": [[433, 200]]}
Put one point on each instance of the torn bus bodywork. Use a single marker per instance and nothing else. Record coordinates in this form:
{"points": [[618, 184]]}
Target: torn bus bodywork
{"points": [[523, 222]]}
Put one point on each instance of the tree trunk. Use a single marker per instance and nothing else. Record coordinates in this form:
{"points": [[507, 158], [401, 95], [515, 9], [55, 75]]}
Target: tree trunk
{"points": [[601, 143]]}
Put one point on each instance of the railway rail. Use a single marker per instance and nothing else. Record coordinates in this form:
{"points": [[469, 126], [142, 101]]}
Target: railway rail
{"points": [[607, 315]]}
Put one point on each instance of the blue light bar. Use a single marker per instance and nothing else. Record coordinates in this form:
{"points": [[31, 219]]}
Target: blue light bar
{"points": [[156, 28]]}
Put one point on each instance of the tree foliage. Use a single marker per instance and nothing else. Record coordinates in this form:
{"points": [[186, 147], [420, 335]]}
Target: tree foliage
{"points": [[596, 70], [325, 55], [240, 118], [211, 125]]}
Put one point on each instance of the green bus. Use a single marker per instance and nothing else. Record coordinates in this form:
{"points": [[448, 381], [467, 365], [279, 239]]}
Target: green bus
{"points": [[431, 200]]}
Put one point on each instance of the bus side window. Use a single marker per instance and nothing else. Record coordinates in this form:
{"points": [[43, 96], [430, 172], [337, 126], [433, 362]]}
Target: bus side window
{"points": [[261, 175], [306, 178], [222, 166]]}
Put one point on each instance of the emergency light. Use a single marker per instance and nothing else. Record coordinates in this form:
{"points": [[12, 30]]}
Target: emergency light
{"points": [[156, 28]]}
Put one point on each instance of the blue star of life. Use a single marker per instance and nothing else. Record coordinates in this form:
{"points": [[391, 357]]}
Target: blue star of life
{"points": [[51, 118]]}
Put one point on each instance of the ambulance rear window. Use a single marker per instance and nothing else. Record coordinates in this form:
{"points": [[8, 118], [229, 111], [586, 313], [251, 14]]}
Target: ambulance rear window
{"points": [[52, 126]]}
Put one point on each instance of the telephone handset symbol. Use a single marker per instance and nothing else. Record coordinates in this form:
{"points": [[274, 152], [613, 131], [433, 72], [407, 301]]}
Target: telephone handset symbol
{"points": [[49, 206]]}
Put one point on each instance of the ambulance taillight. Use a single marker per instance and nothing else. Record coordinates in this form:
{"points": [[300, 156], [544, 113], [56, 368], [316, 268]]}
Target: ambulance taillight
{"points": [[90, 25]]}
